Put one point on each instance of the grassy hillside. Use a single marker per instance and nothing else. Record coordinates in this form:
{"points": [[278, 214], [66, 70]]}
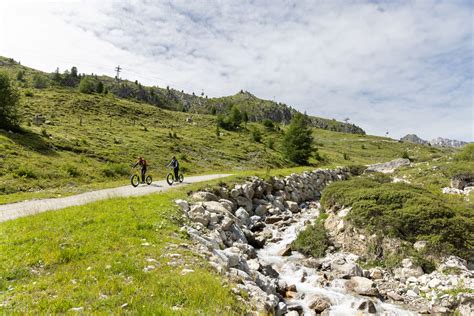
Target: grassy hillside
{"points": [[168, 98], [87, 141]]}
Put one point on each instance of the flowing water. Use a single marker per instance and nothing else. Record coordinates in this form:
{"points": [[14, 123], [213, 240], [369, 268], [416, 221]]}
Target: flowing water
{"points": [[306, 279]]}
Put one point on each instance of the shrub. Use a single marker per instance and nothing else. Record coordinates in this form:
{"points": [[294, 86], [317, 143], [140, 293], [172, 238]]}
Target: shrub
{"points": [[87, 85], [271, 143], [357, 170], [9, 102], [404, 211], [231, 121], [405, 155], [345, 156], [313, 240], [268, 124], [72, 171], [25, 172], [256, 135], [40, 81], [29, 93], [20, 75], [298, 140]]}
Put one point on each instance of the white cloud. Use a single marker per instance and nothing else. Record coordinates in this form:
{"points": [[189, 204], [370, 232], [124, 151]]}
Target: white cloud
{"points": [[399, 66]]}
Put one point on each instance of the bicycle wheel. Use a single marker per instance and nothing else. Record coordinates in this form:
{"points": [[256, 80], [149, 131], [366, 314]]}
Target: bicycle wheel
{"points": [[148, 180], [170, 178], [135, 180], [181, 178]]}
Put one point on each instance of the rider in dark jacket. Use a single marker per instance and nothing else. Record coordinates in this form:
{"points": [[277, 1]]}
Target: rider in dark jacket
{"points": [[175, 164]]}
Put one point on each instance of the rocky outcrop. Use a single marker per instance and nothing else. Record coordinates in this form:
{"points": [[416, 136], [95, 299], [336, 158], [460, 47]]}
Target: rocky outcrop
{"points": [[445, 142], [412, 138], [388, 167]]}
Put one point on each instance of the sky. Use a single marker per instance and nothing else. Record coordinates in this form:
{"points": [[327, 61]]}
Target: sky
{"points": [[390, 66]]}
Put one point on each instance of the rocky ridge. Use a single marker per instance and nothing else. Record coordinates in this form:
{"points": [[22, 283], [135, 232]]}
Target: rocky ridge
{"points": [[246, 233]]}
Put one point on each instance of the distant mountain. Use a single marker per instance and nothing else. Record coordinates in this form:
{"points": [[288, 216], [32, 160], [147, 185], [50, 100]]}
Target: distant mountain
{"points": [[412, 138], [445, 142], [437, 142]]}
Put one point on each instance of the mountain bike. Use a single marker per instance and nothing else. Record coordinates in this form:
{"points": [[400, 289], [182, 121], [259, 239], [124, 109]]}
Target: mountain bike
{"points": [[136, 176], [170, 179]]}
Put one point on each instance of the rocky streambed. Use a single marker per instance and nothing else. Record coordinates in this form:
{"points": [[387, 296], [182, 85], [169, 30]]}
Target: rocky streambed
{"points": [[246, 233]]}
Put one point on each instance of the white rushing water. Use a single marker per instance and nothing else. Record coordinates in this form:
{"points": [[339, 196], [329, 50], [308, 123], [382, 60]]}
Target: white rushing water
{"points": [[306, 279]]}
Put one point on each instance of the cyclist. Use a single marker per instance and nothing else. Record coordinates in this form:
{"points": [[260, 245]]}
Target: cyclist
{"points": [[143, 165], [175, 164]]}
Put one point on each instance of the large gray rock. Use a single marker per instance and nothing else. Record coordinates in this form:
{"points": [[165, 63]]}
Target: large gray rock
{"points": [[242, 215], [204, 196], [362, 286], [408, 269], [292, 206], [346, 270], [215, 207], [261, 210]]}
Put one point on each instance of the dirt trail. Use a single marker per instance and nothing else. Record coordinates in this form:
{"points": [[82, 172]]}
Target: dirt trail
{"points": [[21, 209]]}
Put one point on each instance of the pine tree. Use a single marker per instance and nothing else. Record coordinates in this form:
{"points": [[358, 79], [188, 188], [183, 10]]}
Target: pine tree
{"points": [[9, 98], [100, 87], [298, 141]]}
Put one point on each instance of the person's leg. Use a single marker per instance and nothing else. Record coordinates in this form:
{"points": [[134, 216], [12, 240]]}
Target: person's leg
{"points": [[176, 170], [143, 174]]}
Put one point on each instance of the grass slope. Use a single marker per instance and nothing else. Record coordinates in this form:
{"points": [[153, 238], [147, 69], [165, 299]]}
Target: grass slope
{"points": [[94, 257]]}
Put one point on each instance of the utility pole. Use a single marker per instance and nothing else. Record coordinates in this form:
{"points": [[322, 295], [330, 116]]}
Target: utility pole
{"points": [[118, 69]]}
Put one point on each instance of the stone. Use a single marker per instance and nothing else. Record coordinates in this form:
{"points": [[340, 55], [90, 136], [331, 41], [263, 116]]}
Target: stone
{"points": [[319, 303], [226, 223], [292, 206], [242, 215], [368, 307], [346, 270], [232, 254], [362, 286], [434, 283], [228, 204], [407, 270], [273, 219], [281, 309], [394, 296], [269, 271], [238, 233], [420, 245], [292, 313], [285, 251], [215, 207], [375, 274], [411, 293], [244, 202], [261, 210], [183, 204], [204, 196]]}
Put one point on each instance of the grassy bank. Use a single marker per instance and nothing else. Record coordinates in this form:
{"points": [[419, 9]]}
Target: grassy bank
{"points": [[94, 257]]}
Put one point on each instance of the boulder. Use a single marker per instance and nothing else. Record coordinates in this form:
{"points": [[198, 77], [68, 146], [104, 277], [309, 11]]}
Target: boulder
{"points": [[215, 207], [204, 196], [362, 286], [319, 303], [285, 251], [183, 204], [242, 215], [228, 204], [292, 206], [366, 307], [346, 270], [407, 270], [244, 202], [261, 210], [420, 245], [376, 274]]}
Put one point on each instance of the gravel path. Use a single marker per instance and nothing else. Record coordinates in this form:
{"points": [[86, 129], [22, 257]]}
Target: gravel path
{"points": [[21, 209]]}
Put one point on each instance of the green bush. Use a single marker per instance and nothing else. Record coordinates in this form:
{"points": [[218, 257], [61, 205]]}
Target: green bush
{"points": [[232, 121], [256, 135], [87, 85], [25, 172], [312, 241], [268, 124], [404, 211], [40, 81]]}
